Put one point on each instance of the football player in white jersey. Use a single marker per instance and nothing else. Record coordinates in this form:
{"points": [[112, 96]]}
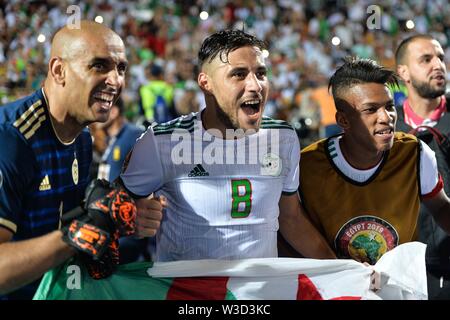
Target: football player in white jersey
{"points": [[229, 174]]}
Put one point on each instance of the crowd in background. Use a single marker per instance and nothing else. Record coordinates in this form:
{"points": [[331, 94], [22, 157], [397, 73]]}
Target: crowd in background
{"points": [[168, 34]]}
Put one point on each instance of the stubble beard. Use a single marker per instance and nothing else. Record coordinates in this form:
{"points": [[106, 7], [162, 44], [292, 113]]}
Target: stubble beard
{"points": [[225, 119], [425, 90]]}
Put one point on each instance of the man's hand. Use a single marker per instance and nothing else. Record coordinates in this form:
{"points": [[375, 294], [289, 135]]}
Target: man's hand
{"points": [[94, 228], [149, 215]]}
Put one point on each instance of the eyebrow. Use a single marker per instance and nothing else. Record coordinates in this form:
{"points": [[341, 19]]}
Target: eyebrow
{"points": [[237, 69], [107, 61], [377, 105], [426, 55], [429, 55], [262, 68]]}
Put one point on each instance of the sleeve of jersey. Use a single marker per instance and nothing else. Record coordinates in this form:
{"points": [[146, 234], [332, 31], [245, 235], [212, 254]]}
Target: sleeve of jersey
{"points": [[144, 172], [430, 180], [292, 179], [16, 174]]}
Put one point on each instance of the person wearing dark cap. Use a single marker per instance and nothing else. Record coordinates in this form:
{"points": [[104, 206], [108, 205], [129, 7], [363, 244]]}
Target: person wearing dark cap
{"points": [[156, 97]]}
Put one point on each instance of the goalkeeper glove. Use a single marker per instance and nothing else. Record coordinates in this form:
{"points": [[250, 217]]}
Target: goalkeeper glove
{"points": [[94, 228]]}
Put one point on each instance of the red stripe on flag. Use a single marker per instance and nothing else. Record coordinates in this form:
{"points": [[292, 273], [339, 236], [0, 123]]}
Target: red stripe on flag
{"points": [[201, 288], [306, 289], [346, 298]]}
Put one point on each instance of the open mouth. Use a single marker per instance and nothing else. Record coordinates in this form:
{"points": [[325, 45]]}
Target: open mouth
{"points": [[438, 77], [251, 107], [104, 98], [385, 133]]}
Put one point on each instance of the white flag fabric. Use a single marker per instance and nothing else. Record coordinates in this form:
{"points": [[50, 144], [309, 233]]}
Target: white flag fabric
{"points": [[403, 276], [402, 271]]}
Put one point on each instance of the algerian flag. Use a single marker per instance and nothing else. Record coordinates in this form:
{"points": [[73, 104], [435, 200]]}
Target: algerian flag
{"points": [[402, 276]]}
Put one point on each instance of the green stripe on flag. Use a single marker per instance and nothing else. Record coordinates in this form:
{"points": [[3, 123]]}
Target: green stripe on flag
{"points": [[129, 282], [230, 296]]}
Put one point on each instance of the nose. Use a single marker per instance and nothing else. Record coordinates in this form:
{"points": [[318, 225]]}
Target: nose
{"points": [[114, 79], [386, 116], [438, 64], [253, 83]]}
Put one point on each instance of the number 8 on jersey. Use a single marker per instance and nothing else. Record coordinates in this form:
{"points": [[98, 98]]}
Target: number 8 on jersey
{"points": [[241, 193]]}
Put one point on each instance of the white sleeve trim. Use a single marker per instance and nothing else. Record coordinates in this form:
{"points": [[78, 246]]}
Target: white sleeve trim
{"points": [[144, 173], [292, 179], [429, 175]]}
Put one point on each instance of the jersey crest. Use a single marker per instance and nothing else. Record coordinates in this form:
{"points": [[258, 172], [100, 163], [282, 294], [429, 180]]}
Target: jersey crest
{"points": [[365, 239]]}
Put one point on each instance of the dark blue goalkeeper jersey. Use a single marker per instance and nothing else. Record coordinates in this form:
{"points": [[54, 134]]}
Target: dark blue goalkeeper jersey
{"points": [[40, 177]]}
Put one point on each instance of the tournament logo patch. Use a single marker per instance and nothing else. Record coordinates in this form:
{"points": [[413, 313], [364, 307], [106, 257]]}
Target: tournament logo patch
{"points": [[365, 239]]}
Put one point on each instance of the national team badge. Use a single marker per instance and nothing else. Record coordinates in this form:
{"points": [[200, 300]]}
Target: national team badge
{"points": [[116, 153], [271, 165], [75, 171], [365, 239]]}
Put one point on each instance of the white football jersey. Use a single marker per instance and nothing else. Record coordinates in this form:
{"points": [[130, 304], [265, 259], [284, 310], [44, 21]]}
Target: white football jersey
{"points": [[222, 194]]}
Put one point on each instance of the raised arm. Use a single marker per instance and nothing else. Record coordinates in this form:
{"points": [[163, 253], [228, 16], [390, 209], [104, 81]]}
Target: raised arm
{"points": [[299, 232]]}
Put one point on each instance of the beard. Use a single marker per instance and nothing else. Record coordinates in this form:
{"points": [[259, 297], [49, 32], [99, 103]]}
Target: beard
{"points": [[425, 90], [226, 120]]}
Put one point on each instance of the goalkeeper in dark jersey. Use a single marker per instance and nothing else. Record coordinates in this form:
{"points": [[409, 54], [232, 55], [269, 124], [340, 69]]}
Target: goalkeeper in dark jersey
{"points": [[44, 159]]}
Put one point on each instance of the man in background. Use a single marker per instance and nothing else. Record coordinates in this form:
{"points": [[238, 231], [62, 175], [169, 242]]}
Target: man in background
{"points": [[156, 96], [420, 64]]}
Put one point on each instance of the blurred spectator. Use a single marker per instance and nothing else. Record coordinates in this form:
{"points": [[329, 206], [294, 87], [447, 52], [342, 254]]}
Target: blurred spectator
{"points": [[306, 116], [298, 34], [120, 136], [187, 98], [156, 96]]}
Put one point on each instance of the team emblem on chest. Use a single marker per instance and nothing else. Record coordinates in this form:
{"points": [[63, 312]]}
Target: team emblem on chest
{"points": [[271, 165]]}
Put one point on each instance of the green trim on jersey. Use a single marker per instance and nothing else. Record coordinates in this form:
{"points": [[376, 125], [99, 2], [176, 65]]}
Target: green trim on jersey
{"points": [[269, 123], [169, 127], [188, 124]]}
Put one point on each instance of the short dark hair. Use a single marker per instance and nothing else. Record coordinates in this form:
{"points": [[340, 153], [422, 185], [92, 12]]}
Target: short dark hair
{"points": [[225, 41], [400, 53], [358, 71]]}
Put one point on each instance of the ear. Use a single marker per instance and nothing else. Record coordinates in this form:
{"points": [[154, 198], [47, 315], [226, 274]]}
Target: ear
{"points": [[57, 70], [403, 72], [341, 120], [204, 83]]}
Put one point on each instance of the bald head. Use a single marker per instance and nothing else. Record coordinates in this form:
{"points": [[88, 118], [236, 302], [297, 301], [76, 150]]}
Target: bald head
{"points": [[69, 43], [86, 73]]}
